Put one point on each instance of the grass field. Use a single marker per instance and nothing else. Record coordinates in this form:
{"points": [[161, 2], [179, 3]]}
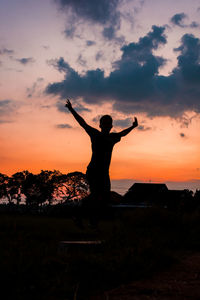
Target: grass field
{"points": [[135, 245]]}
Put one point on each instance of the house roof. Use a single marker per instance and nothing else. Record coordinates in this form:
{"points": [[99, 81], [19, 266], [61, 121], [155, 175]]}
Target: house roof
{"points": [[148, 188]]}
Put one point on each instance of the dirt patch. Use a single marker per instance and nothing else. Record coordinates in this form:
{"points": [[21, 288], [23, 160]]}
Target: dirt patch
{"points": [[180, 282]]}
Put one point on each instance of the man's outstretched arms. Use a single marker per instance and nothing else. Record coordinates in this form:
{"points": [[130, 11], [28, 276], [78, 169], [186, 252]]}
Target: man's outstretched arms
{"points": [[88, 128], [78, 118], [127, 130]]}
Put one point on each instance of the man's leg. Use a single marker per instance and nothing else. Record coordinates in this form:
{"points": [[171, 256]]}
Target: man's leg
{"points": [[97, 203]]}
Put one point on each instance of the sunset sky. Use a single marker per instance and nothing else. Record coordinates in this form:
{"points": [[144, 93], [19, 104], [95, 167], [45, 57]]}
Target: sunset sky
{"points": [[121, 57]]}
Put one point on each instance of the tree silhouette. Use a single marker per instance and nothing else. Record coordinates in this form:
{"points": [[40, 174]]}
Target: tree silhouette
{"points": [[72, 187], [197, 198], [47, 183], [9, 188], [45, 187], [30, 189], [4, 186], [39, 188], [16, 183]]}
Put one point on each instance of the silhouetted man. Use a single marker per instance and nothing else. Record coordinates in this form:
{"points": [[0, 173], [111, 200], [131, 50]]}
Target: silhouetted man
{"points": [[102, 145]]}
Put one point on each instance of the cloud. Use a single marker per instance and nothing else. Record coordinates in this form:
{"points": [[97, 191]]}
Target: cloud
{"points": [[6, 51], [7, 107], [70, 30], [35, 87], [93, 10], [5, 121], [179, 19], [99, 55], [60, 64], [188, 61], [97, 119], [78, 107], [46, 47], [135, 85], [63, 126], [185, 120], [25, 60], [143, 128], [81, 61], [123, 122], [182, 135], [194, 24], [104, 13], [90, 43]]}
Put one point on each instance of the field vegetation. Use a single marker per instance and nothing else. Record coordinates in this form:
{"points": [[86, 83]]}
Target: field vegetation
{"points": [[136, 244]]}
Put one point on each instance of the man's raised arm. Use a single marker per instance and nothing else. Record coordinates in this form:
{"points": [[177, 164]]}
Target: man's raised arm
{"points": [[127, 130], [78, 118]]}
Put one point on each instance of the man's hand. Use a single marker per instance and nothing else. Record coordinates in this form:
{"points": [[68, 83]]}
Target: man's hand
{"points": [[127, 130], [68, 104], [135, 123]]}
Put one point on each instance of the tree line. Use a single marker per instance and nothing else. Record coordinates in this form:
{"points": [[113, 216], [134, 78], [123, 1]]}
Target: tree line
{"points": [[52, 187], [47, 187]]}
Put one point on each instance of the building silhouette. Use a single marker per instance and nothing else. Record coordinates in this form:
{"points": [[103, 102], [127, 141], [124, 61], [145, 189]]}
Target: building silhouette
{"points": [[146, 193]]}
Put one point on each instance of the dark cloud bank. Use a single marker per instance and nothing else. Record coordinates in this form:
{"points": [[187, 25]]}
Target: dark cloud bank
{"points": [[104, 13], [135, 85]]}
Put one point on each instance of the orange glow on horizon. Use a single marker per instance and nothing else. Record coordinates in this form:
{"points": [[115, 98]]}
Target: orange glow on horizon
{"points": [[158, 154]]}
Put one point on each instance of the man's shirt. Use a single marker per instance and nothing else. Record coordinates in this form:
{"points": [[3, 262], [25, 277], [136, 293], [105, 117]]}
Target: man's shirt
{"points": [[102, 146]]}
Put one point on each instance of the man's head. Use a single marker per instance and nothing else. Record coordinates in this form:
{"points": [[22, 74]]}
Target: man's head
{"points": [[105, 123]]}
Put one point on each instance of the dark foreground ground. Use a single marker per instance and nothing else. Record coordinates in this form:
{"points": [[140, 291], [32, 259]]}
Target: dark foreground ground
{"points": [[146, 254], [180, 281]]}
